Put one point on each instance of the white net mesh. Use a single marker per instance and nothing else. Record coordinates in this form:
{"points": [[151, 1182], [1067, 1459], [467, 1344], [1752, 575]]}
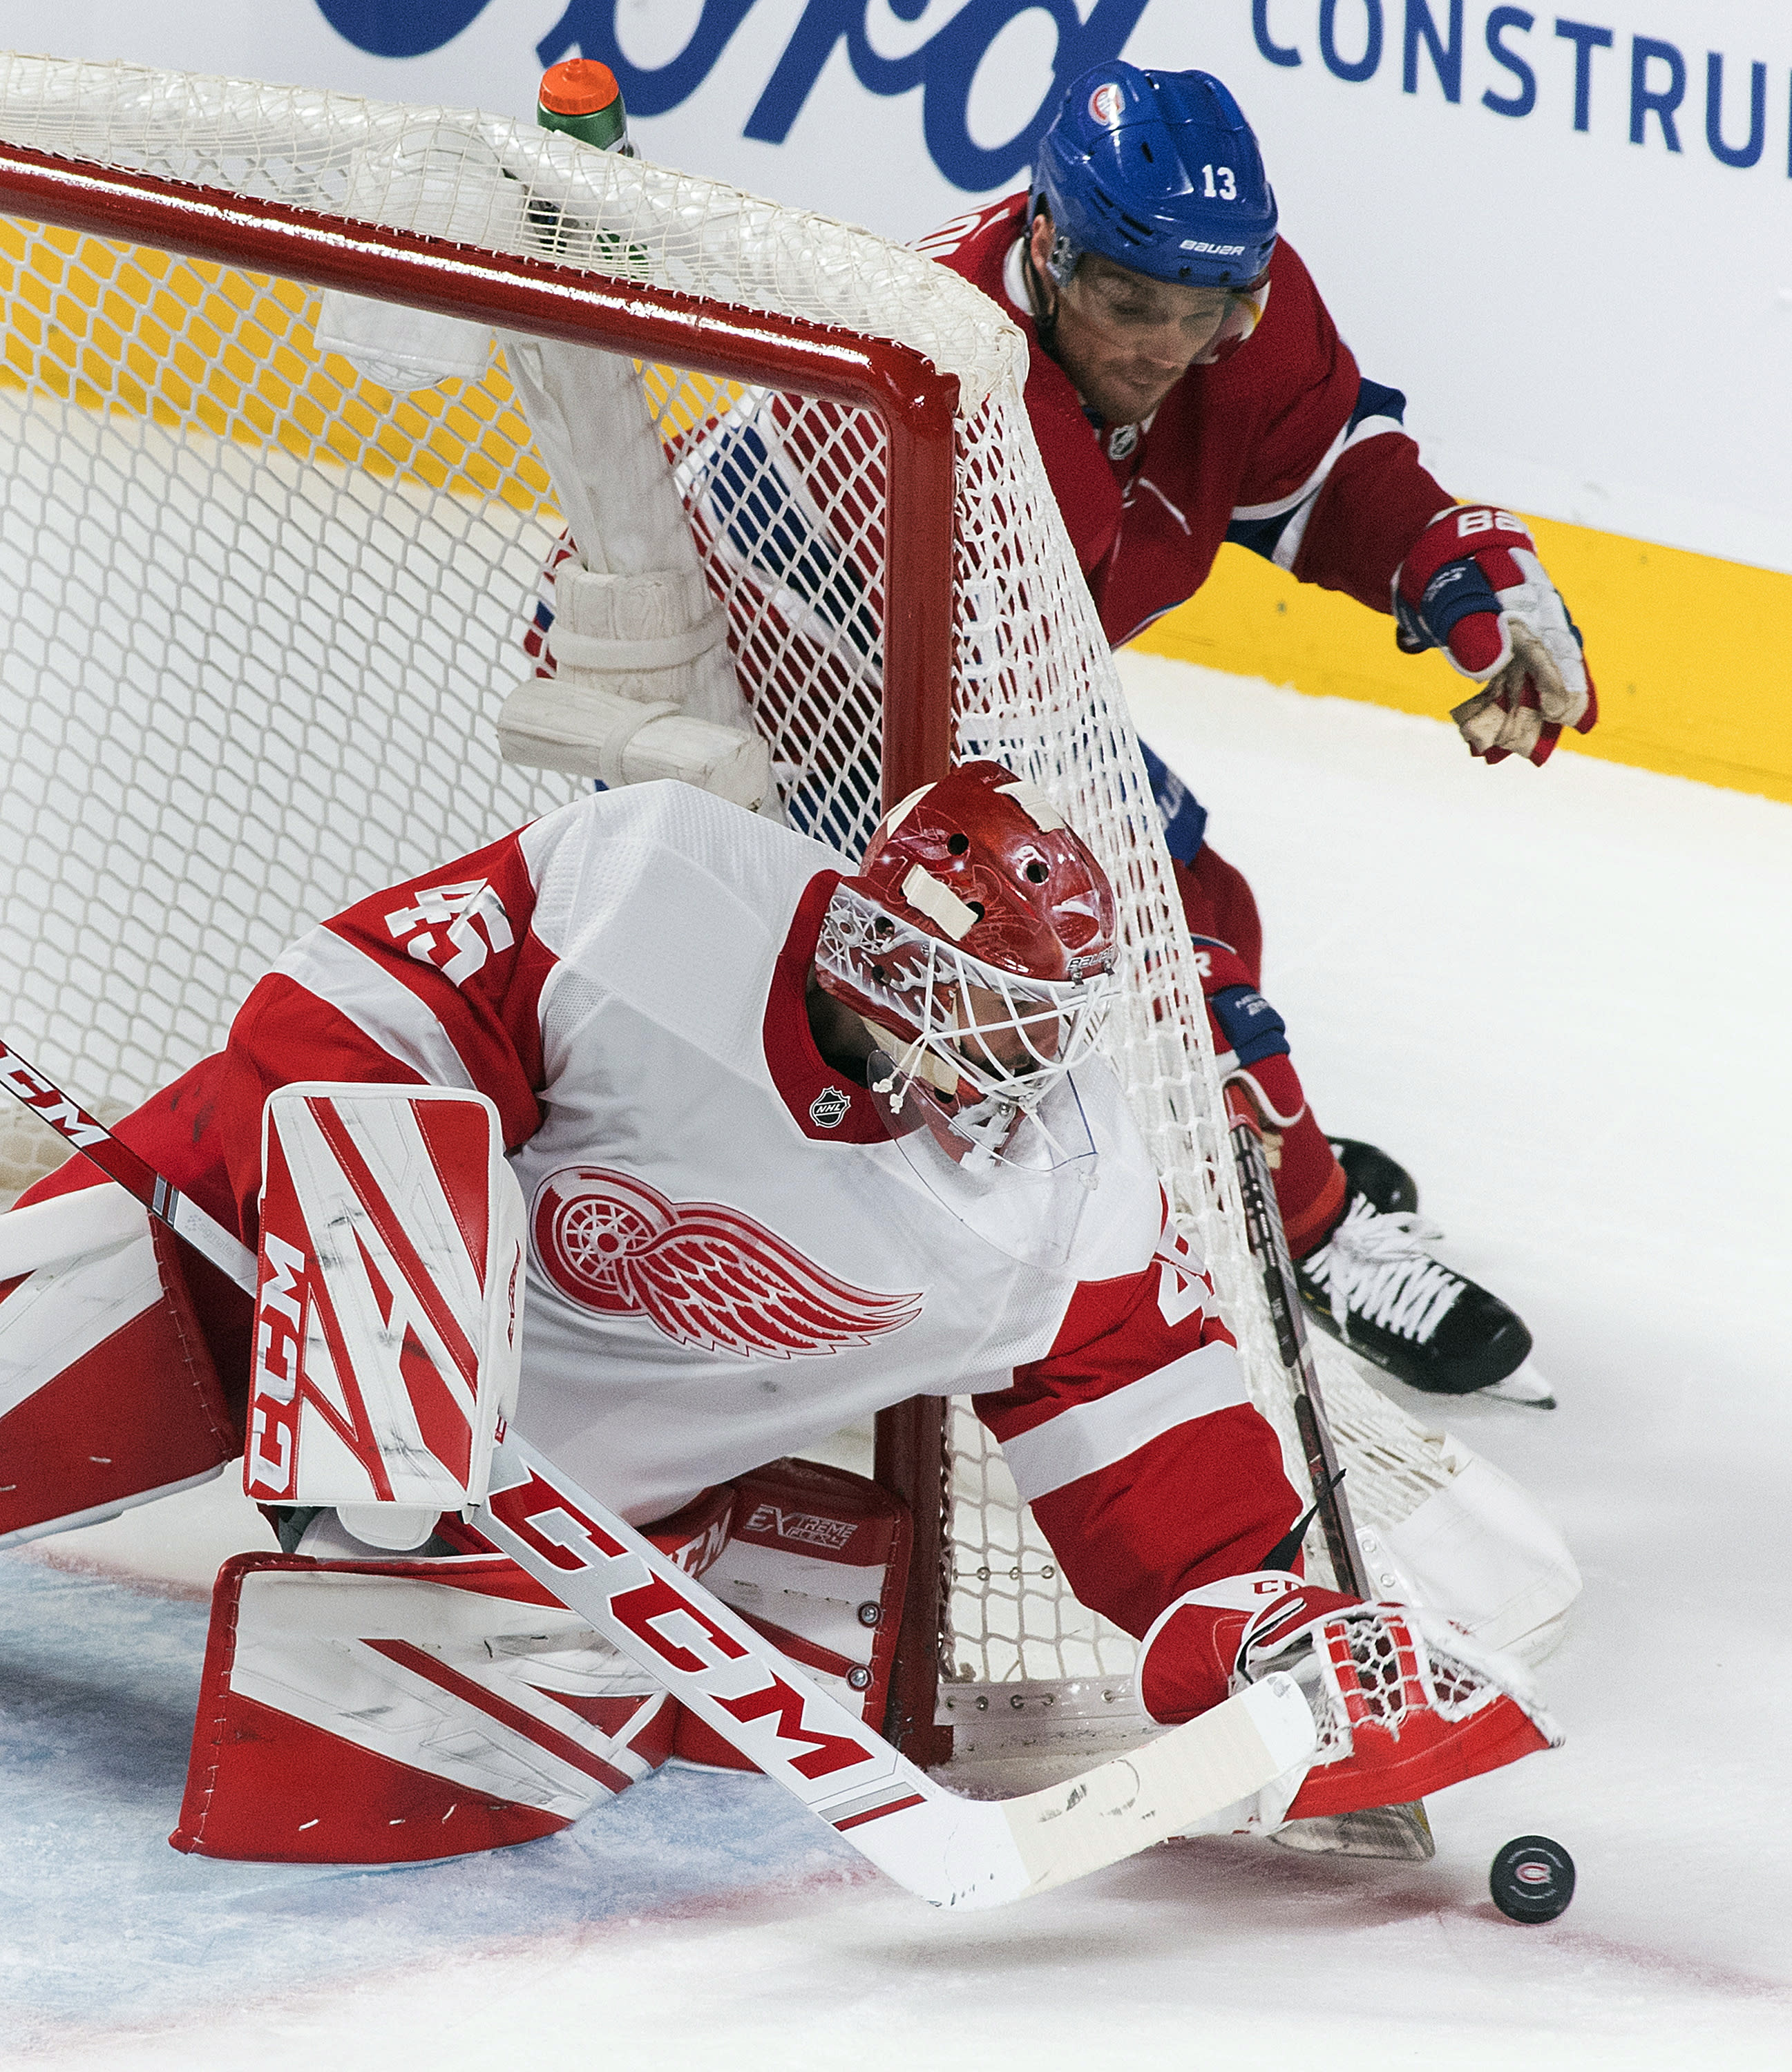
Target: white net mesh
{"points": [[265, 612]]}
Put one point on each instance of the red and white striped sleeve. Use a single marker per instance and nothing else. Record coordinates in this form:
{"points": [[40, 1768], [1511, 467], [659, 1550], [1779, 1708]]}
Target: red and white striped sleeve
{"points": [[1148, 1468], [436, 981]]}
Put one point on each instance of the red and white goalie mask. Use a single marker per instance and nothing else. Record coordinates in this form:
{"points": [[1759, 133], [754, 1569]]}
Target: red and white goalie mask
{"points": [[977, 943]]}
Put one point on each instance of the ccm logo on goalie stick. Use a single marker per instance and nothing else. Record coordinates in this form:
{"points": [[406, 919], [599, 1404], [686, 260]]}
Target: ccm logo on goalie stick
{"points": [[57, 1108], [680, 1632]]}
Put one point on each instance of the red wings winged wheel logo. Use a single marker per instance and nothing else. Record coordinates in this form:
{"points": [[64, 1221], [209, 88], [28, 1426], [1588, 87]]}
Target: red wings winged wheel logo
{"points": [[705, 1274]]}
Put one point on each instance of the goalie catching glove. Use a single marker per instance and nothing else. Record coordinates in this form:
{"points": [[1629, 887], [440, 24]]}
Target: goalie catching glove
{"points": [[1404, 1700], [1472, 585]]}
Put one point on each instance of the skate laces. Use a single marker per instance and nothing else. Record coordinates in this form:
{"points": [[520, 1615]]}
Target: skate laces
{"points": [[1376, 1267]]}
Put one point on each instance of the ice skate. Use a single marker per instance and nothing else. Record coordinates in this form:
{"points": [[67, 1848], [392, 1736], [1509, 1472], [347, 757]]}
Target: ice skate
{"points": [[1376, 1284], [1370, 1171]]}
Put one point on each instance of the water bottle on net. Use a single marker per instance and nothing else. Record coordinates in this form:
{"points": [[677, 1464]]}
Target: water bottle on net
{"points": [[580, 97]]}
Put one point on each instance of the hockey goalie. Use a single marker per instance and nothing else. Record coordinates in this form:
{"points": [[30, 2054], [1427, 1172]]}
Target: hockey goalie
{"points": [[779, 1147]]}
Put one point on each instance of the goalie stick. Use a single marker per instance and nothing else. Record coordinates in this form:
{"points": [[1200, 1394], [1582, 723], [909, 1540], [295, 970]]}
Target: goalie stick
{"points": [[1398, 1830], [951, 1851], [138, 1178], [1269, 1243]]}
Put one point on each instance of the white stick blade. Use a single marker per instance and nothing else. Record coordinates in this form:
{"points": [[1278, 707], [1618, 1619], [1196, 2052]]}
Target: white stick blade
{"points": [[1155, 1791]]}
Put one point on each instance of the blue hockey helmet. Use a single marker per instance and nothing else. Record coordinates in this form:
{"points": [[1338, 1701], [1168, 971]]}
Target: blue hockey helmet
{"points": [[1160, 172]]}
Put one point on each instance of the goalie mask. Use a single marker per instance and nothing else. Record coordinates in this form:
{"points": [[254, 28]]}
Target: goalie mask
{"points": [[976, 944]]}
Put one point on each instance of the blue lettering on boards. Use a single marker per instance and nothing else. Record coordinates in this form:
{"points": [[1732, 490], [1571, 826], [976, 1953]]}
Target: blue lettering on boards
{"points": [[1522, 102], [1646, 100], [1587, 38], [1727, 154], [1278, 53], [399, 28], [944, 69], [1355, 70], [1446, 58]]}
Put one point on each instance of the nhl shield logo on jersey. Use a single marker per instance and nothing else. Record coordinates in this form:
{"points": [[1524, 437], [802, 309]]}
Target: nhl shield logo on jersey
{"points": [[829, 1108], [703, 1273], [1121, 441]]}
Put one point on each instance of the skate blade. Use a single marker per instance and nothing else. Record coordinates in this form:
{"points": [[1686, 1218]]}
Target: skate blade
{"points": [[1523, 1385], [1400, 1834]]}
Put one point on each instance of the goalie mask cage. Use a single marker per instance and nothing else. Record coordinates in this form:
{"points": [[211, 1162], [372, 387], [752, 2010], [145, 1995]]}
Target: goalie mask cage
{"points": [[264, 612]]}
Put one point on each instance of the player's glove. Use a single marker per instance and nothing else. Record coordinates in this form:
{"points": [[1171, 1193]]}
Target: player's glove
{"points": [[1473, 585]]}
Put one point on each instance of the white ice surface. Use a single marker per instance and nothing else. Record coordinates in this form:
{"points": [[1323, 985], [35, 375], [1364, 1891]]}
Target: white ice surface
{"points": [[1561, 997]]}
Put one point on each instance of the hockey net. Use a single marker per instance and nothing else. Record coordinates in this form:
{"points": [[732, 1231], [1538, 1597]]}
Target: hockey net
{"points": [[264, 611]]}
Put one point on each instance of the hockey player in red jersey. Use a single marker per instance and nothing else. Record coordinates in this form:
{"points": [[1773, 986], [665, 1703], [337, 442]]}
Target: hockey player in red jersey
{"points": [[794, 1147], [1187, 387]]}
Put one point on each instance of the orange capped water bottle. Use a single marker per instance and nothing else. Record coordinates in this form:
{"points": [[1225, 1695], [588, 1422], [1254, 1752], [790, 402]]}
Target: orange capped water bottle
{"points": [[581, 96]]}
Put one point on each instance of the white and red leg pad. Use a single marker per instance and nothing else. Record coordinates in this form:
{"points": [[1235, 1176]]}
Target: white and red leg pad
{"points": [[818, 1561], [1405, 1701], [108, 1396], [392, 1710]]}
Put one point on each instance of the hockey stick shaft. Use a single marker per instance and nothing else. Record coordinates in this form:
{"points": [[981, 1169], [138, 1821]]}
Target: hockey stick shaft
{"points": [[1269, 1242], [90, 1136], [953, 1851]]}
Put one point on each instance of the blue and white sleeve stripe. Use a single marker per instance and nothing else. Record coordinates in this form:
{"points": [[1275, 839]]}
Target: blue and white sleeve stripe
{"points": [[1276, 530]]}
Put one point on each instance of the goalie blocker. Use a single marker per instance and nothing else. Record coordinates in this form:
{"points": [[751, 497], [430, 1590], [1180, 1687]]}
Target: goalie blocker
{"points": [[385, 1348], [388, 1305]]}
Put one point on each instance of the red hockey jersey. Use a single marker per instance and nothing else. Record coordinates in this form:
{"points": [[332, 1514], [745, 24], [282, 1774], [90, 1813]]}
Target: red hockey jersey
{"points": [[1283, 448]]}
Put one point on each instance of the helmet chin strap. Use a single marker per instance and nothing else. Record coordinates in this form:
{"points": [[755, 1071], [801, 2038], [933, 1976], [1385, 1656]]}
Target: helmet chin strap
{"points": [[976, 1133], [914, 1061]]}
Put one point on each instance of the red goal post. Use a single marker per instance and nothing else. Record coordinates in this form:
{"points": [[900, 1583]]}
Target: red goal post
{"points": [[913, 402]]}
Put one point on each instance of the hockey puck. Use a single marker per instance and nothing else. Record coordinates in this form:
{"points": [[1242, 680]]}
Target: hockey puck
{"points": [[1532, 1879]]}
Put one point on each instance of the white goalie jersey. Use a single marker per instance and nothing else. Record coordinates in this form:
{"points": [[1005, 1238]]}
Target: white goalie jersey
{"points": [[729, 1257]]}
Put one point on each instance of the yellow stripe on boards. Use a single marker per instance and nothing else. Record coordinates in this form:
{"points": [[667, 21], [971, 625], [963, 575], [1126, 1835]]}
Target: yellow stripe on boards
{"points": [[1692, 656], [199, 347], [193, 346]]}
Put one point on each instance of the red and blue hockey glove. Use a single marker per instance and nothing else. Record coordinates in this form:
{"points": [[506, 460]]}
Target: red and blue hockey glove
{"points": [[1473, 585]]}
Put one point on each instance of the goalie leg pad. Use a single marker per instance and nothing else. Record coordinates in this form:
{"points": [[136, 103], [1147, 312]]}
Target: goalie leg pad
{"points": [[1405, 1701], [381, 1711], [818, 1561], [107, 1394]]}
